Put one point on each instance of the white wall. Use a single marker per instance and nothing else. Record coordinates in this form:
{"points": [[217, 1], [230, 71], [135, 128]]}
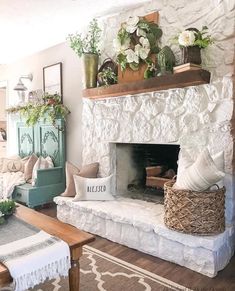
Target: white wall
{"points": [[72, 88]]}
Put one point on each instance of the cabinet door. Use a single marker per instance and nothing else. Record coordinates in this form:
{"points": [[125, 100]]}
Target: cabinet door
{"points": [[26, 142], [50, 141]]}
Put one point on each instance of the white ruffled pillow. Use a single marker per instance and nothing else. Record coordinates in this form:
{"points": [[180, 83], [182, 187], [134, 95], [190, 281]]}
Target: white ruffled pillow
{"points": [[203, 173], [41, 164], [92, 188]]}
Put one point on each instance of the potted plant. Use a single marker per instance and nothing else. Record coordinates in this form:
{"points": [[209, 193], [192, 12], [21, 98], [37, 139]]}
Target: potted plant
{"points": [[136, 46], [107, 77], [7, 208], [88, 48], [191, 41]]}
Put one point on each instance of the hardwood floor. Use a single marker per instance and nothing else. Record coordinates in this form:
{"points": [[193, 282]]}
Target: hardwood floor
{"points": [[224, 281]]}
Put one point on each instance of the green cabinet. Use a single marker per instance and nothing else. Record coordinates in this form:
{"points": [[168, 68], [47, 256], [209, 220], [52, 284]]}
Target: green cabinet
{"points": [[43, 139]]}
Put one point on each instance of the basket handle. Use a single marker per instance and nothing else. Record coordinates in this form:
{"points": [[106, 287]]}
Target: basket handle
{"points": [[216, 186]]}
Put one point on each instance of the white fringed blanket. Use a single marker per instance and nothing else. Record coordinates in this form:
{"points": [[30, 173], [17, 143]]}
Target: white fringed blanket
{"points": [[31, 256], [8, 181]]}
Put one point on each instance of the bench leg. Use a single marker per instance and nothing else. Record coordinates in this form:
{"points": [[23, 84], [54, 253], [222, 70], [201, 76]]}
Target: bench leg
{"points": [[74, 272]]}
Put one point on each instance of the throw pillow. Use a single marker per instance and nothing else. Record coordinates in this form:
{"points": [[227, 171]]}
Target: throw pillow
{"points": [[201, 175], [28, 168], [92, 188], [70, 170], [13, 165], [87, 171], [41, 163]]}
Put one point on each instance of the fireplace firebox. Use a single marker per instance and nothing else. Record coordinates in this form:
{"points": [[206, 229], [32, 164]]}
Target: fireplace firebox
{"points": [[142, 169]]}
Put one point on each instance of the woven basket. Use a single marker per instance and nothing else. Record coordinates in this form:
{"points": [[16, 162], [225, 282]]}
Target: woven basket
{"points": [[192, 212]]}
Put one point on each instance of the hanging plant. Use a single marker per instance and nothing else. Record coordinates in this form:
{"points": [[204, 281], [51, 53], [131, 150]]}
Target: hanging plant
{"points": [[50, 110], [136, 41]]}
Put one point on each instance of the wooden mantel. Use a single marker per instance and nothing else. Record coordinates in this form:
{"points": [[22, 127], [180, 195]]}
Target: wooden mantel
{"points": [[179, 80]]}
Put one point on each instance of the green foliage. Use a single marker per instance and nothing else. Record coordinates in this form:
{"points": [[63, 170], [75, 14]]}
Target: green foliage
{"points": [[89, 43], [50, 110], [108, 76], [7, 207], [203, 40], [166, 60], [149, 30]]}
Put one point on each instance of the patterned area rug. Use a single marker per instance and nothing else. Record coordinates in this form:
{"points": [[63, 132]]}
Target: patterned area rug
{"points": [[100, 271]]}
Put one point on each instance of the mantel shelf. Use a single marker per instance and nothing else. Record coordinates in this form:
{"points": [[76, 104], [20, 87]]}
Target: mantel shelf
{"points": [[179, 80]]}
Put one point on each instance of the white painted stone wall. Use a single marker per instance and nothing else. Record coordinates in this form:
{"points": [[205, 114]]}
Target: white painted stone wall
{"points": [[175, 16], [193, 117]]}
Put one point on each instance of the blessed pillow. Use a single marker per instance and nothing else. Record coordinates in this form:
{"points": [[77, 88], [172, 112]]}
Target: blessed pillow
{"points": [[41, 163], [28, 167], [87, 171], [13, 165], [201, 175], [93, 188]]}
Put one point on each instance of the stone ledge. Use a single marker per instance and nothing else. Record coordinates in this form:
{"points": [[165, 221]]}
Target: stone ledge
{"points": [[139, 224]]}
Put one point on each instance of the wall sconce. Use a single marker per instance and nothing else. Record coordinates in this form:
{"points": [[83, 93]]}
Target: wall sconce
{"points": [[21, 88], [20, 85]]}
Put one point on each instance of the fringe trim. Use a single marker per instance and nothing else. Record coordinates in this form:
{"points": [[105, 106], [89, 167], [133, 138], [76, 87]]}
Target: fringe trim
{"points": [[50, 271]]}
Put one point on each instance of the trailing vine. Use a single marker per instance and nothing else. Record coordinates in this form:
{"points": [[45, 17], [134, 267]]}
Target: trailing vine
{"points": [[50, 110]]}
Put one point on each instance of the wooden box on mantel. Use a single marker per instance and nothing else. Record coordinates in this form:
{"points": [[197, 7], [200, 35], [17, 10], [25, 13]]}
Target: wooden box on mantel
{"points": [[129, 75]]}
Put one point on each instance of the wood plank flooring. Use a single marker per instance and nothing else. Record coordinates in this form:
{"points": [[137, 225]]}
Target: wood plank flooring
{"points": [[224, 281]]}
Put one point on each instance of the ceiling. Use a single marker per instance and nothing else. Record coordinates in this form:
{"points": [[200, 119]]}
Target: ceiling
{"points": [[28, 26]]}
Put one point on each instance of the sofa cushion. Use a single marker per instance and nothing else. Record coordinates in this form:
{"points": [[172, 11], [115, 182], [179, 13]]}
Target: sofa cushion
{"points": [[87, 171], [28, 168], [13, 165], [41, 163]]}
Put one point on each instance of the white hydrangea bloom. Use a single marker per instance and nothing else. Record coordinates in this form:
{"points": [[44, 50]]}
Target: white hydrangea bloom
{"points": [[186, 38], [120, 48], [131, 24], [131, 56], [145, 42], [140, 32], [141, 51]]}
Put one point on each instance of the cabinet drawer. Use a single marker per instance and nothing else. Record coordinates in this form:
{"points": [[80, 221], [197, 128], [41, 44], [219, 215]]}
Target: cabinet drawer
{"points": [[21, 195]]}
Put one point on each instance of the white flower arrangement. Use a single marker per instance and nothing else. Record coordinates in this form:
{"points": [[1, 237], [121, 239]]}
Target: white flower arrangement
{"points": [[135, 42], [195, 37], [186, 38]]}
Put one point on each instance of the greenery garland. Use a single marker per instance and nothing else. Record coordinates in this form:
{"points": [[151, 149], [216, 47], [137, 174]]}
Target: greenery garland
{"points": [[135, 43], [50, 110]]}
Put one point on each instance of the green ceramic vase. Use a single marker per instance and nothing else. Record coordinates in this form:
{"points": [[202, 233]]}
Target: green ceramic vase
{"points": [[90, 63]]}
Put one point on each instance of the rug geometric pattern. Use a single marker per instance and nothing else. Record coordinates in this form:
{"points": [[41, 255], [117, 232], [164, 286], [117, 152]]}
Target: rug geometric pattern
{"points": [[100, 271]]}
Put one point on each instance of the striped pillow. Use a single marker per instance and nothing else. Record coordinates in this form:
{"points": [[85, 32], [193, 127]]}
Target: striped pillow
{"points": [[41, 164]]}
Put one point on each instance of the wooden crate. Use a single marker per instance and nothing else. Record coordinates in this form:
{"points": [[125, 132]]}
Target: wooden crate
{"points": [[129, 75]]}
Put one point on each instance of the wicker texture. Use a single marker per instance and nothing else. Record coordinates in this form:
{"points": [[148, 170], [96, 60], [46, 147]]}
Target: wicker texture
{"points": [[194, 212]]}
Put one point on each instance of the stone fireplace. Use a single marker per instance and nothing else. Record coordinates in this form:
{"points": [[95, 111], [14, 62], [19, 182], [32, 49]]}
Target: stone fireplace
{"points": [[193, 117]]}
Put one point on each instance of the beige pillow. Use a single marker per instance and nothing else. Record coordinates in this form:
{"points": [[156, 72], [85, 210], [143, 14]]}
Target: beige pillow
{"points": [[201, 175], [70, 170], [41, 163], [12, 165], [28, 168], [87, 171]]}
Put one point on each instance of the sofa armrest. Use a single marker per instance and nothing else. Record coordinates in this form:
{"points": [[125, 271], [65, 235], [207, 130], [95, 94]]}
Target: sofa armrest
{"points": [[49, 176]]}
